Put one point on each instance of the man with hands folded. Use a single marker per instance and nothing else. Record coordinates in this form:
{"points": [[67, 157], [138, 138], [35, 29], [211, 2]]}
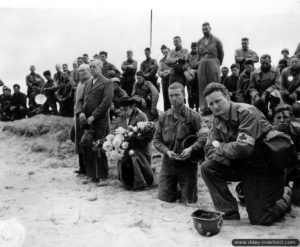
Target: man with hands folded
{"points": [[174, 126]]}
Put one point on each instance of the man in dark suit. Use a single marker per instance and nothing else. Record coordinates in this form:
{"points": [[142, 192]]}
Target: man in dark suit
{"points": [[94, 114]]}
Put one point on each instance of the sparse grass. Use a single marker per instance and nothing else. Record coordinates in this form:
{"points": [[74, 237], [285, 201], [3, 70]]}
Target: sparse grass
{"points": [[38, 147], [41, 125], [44, 133]]}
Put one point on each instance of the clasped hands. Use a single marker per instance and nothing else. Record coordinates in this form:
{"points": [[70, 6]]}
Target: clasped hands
{"points": [[185, 154], [83, 120]]}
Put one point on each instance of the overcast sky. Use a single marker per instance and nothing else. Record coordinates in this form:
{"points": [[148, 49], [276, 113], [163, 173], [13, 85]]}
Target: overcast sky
{"points": [[45, 33]]}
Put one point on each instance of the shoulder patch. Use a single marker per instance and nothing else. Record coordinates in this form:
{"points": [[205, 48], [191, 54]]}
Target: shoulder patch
{"points": [[245, 139]]}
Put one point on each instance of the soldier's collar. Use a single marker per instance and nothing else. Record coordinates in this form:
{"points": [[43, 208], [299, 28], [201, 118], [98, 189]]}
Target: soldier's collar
{"points": [[183, 112], [233, 116]]}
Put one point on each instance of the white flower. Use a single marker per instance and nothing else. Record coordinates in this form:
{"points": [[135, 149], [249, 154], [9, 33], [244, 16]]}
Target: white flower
{"points": [[110, 137], [113, 155], [130, 133], [290, 78], [125, 145], [135, 129], [120, 130], [119, 137], [131, 152], [215, 143], [116, 143], [117, 140], [120, 156], [141, 125], [130, 127], [107, 146]]}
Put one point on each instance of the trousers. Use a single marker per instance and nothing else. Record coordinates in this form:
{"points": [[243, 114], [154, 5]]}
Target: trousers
{"points": [[263, 189], [174, 174], [208, 71]]}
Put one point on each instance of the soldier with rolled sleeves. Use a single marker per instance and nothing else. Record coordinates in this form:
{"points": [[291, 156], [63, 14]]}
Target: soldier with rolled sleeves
{"points": [[234, 153], [211, 54], [173, 127]]}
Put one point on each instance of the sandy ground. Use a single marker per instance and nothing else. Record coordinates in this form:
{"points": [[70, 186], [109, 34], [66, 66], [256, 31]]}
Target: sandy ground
{"points": [[43, 203]]}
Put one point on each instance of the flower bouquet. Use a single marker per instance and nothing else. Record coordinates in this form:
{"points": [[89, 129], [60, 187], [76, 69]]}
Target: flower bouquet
{"points": [[121, 142]]}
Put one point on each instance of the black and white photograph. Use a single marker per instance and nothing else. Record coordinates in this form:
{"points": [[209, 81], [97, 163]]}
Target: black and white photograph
{"points": [[149, 123]]}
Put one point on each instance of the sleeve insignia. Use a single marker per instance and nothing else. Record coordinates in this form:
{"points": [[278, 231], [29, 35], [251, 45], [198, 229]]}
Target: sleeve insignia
{"points": [[245, 139]]}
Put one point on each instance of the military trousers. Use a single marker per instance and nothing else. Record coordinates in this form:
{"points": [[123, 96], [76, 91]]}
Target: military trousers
{"points": [[263, 189], [177, 180], [208, 71]]}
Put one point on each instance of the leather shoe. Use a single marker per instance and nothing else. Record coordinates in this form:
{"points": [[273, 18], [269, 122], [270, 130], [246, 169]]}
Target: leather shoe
{"points": [[234, 215]]}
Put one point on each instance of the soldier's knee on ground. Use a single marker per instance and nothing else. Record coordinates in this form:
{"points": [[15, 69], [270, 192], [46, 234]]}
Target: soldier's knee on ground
{"points": [[167, 196], [189, 197], [167, 188]]}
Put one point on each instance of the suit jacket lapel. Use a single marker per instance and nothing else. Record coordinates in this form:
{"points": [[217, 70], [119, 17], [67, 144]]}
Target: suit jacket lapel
{"points": [[98, 82], [88, 86]]}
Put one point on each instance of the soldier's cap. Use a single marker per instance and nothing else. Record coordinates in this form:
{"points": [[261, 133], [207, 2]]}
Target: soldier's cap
{"points": [[116, 79], [285, 50], [249, 62]]}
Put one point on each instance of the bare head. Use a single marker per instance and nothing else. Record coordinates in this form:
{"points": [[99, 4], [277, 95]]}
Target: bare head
{"points": [[218, 99], [176, 94], [206, 29], [84, 71], [96, 67]]}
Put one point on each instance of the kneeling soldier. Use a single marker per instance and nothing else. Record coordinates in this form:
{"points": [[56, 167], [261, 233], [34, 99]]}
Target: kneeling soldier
{"points": [[234, 152]]}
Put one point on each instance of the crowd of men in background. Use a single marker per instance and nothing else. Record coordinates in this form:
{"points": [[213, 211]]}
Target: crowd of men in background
{"points": [[93, 93], [194, 69]]}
